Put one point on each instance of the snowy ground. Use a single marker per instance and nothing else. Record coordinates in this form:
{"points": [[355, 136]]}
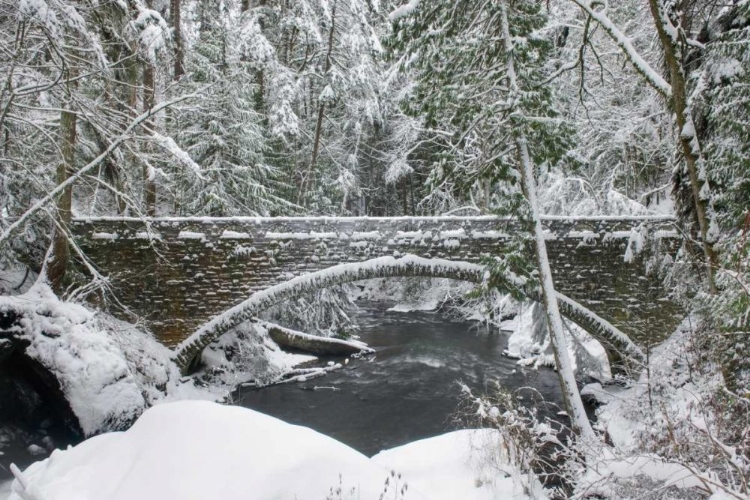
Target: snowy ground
{"points": [[466, 464], [198, 450], [665, 431]]}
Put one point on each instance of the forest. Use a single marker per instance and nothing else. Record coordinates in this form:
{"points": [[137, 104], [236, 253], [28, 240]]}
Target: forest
{"points": [[177, 109]]}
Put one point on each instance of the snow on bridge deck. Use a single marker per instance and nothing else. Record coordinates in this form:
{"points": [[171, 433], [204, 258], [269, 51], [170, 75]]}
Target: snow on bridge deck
{"points": [[177, 273]]}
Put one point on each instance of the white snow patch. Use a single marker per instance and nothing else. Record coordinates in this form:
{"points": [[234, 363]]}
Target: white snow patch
{"points": [[454, 234], [145, 235], [466, 465], [195, 450], [300, 236], [103, 236], [369, 235], [191, 235], [235, 235]]}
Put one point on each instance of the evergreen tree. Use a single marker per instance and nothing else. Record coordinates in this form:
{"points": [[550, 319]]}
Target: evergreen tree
{"points": [[224, 134], [723, 97], [478, 69]]}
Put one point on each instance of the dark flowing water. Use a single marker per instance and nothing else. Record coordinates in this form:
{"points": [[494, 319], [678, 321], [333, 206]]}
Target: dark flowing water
{"points": [[409, 389]]}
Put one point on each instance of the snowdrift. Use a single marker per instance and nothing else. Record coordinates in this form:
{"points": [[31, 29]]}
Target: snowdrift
{"points": [[201, 450], [465, 465]]}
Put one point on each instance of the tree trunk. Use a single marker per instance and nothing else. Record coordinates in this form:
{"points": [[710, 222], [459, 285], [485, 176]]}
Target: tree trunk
{"points": [[676, 93], [57, 260], [179, 63], [309, 179], [688, 142], [572, 398], [149, 181]]}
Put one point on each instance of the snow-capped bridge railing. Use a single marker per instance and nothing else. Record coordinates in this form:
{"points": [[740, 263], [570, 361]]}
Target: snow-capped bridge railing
{"points": [[178, 273], [187, 353]]}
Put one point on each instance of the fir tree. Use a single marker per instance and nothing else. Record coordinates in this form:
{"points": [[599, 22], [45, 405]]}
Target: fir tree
{"points": [[224, 134], [478, 69]]}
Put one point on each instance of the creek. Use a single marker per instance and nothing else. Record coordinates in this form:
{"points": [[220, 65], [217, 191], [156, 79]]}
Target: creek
{"points": [[409, 389]]}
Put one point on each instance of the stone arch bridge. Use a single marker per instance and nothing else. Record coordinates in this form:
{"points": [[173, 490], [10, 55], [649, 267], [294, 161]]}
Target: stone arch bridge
{"points": [[179, 273]]}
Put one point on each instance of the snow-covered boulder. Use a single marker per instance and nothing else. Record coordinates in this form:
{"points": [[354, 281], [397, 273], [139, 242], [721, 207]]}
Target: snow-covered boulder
{"points": [[201, 450], [107, 372]]}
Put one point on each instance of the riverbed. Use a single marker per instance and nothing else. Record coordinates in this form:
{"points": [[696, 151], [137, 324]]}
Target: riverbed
{"points": [[409, 389]]}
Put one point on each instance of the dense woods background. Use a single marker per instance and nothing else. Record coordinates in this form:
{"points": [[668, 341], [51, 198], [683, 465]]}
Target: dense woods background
{"points": [[371, 107]]}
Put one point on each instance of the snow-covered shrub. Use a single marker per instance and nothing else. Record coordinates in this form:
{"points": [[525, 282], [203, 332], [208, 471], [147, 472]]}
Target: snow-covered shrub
{"points": [[247, 354], [528, 443], [326, 312], [681, 415]]}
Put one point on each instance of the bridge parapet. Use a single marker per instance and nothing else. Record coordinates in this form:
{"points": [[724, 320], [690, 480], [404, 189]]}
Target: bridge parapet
{"points": [[177, 273]]}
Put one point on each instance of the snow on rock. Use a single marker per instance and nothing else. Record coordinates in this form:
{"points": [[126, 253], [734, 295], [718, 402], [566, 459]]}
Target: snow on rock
{"points": [[201, 450], [93, 373], [530, 343], [465, 464], [235, 235], [104, 236]]}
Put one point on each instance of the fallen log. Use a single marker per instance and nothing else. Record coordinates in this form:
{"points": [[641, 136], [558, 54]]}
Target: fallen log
{"points": [[323, 346]]}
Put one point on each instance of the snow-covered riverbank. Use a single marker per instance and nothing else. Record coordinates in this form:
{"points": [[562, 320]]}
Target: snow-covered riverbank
{"points": [[199, 450]]}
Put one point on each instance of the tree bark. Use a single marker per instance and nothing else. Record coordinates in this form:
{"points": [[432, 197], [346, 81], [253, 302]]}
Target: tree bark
{"points": [[676, 93], [688, 142], [571, 396], [57, 261], [179, 55], [149, 181], [309, 179], [116, 143]]}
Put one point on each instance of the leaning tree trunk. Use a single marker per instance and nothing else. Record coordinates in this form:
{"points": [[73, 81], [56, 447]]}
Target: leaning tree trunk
{"points": [[688, 141], [57, 260], [571, 396]]}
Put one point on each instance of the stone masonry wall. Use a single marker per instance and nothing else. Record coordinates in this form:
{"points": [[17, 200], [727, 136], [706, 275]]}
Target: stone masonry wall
{"points": [[178, 273]]}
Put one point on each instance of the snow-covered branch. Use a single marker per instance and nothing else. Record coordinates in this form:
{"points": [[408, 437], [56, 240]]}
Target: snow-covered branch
{"points": [[592, 8], [90, 166]]}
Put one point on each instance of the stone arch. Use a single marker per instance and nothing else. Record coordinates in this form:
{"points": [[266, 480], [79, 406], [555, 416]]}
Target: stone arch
{"points": [[187, 353]]}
